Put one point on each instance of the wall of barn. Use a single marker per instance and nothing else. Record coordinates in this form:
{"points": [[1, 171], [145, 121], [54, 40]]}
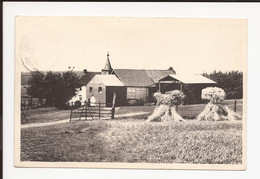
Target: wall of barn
{"points": [[120, 95], [99, 96], [139, 94]]}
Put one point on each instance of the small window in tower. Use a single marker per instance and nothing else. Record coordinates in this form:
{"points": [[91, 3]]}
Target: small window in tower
{"points": [[100, 89], [90, 89]]}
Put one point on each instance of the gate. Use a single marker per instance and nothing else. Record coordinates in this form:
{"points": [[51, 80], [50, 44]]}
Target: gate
{"points": [[94, 111]]}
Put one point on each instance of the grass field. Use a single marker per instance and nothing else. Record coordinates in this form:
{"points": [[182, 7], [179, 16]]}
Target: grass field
{"points": [[42, 115], [132, 139], [135, 141]]}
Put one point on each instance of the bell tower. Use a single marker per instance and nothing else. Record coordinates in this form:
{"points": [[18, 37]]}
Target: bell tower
{"points": [[107, 69]]}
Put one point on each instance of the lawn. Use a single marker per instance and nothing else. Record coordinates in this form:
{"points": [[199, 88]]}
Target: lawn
{"points": [[133, 140], [42, 115], [186, 111]]}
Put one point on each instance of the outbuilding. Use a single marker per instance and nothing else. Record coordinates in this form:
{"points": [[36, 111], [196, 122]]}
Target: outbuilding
{"points": [[102, 87], [190, 84]]}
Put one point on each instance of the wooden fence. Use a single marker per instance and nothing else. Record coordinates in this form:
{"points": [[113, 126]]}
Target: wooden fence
{"points": [[93, 111]]}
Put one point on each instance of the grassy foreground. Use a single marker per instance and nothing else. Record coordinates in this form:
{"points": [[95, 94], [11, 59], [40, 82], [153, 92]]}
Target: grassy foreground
{"points": [[135, 141]]}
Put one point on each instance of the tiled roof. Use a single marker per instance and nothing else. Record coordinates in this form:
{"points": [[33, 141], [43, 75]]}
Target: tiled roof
{"points": [[156, 75], [140, 78], [192, 79], [108, 80], [85, 79]]}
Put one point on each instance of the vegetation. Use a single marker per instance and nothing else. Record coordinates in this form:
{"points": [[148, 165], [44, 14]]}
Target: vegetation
{"points": [[231, 82], [40, 115], [135, 141], [48, 114], [56, 88]]}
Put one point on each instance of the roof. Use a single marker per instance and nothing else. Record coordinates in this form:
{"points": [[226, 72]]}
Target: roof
{"points": [[107, 64], [85, 79], [156, 75], [192, 79], [134, 78], [142, 77], [108, 80]]}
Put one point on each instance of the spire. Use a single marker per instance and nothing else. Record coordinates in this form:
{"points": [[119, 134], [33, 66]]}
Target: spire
{"points": [[107, 69]]}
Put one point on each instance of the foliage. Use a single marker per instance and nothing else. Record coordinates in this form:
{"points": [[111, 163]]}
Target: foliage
{"points": [[56, 88], [231, 82], [36, 87]]}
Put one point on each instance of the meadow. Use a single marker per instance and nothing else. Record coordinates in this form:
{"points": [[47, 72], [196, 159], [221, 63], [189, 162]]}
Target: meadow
{"points": [[42, 115], [135, 140]]}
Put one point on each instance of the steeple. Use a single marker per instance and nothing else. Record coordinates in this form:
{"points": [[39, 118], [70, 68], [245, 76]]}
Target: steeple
{"points": [[107, 69]]}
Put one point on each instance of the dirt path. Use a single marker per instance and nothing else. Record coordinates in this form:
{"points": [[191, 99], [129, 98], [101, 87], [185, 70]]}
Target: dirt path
{"points": [[44, 123], [67, 120]]}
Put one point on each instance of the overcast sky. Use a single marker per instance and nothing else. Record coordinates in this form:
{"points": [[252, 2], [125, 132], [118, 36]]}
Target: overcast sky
{"points": [[188, 45]]}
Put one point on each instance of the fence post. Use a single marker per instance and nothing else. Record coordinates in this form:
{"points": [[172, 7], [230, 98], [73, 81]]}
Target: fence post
{"points": [[99, 109], [113, 106], [86, 110], [235, 107], [71, 113], [31, 103]]}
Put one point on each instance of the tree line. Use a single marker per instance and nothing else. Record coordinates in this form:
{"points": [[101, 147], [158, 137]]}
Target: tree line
{"points": [[56, 88], [231, 82]]}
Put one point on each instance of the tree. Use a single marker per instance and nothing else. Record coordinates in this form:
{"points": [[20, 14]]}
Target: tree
{"points": [[56, 88], [36, 85], [52, 86], [231, 82]]}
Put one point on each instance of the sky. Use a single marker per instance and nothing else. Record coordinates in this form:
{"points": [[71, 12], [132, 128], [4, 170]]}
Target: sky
{"points": [[187, 45]]}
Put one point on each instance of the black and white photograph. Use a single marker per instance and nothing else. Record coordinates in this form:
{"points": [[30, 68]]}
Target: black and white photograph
{"points": [[130, 92]]}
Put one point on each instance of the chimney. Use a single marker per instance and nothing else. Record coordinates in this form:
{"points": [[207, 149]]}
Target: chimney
{"points": [[85, 71]]}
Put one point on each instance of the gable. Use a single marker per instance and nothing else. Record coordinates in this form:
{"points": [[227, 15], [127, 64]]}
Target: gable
{"points": [[156, 75]]}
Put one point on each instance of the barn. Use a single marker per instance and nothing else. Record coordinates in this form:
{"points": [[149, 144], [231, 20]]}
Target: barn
{"points": [[102, 87], [140, 83], [134, 86], [190, 84]]}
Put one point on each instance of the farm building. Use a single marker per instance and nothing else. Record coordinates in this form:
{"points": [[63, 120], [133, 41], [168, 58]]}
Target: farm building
{"points": [[102, 87], [135, 86], [190, 84], [140, 83]]}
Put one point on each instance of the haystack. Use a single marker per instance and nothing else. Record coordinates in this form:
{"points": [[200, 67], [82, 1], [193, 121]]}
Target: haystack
{"points": [[216, 109], [165, 110]]}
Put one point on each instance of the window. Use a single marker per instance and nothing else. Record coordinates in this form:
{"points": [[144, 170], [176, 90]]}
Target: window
{"points": [[80, 97], [90, 89], [99, 89]]}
